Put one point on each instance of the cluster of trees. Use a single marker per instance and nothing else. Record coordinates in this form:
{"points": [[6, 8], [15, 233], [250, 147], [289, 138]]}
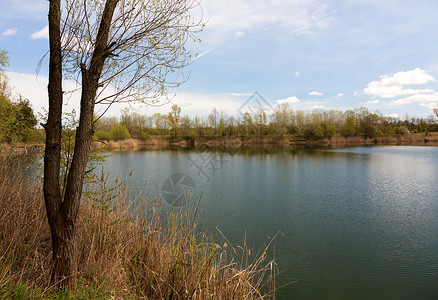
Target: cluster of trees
{"points": [[17, 120], [283, 121]]}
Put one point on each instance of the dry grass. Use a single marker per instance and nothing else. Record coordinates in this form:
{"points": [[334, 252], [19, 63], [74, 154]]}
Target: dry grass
{"points": [[133, 144], [125, 251]]}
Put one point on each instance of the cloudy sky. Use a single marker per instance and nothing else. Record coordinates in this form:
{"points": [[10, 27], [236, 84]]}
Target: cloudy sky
{"points": [[314, 54]]}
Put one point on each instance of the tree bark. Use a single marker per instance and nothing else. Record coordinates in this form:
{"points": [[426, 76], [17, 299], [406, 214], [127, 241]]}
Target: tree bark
{"points": [[53, 127], [62, 214]]}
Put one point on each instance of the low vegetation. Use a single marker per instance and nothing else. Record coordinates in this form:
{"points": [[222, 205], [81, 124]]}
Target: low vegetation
{"points": [[125, 252]]}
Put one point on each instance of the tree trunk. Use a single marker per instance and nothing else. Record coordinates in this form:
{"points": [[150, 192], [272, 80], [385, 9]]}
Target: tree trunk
{"points": [[64, 242], [61, 237], [62, 214]]}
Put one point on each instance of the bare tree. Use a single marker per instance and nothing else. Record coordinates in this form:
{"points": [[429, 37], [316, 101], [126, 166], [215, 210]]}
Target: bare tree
{"points": [[117, 50]]}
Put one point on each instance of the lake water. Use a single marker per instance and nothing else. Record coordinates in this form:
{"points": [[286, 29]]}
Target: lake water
{"points": [[358, 223]]}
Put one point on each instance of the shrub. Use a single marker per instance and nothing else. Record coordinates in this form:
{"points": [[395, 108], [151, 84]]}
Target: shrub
{"points": [[402, 130], [119, 132], [102, 135]]}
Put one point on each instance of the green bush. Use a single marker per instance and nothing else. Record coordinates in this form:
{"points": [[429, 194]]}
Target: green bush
{"points": [[329, 129], [119, 132], [102, 135], [402, 130]]}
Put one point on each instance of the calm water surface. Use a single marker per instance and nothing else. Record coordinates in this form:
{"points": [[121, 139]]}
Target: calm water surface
{"points": [[358, 223]]}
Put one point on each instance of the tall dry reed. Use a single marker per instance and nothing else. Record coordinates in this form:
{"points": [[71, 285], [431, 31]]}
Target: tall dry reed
{"points": [[126, 251]]}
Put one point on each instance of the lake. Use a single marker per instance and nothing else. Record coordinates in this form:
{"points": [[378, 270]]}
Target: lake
{"points": [[358, 223]]}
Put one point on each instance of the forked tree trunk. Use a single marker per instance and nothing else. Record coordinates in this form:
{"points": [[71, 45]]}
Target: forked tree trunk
{"points": [[62, 214], [51, 186]]}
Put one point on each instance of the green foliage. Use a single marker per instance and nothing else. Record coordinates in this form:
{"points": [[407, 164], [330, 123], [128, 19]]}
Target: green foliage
{"points": [[159, 122], [102, 135], [186, 126], [402, 130], [119, 132], [17, 120], [283, 121], [4, 60], [68, 135], [260, 121], [329, 129], [314, 131], [6, 118], [174, 119], [11, 289], [105, 123], [350, 127], [247, 124], [221, 127]]}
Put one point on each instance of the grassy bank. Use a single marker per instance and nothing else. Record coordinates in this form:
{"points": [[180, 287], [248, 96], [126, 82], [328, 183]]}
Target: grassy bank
{"points": [[164, 142], [125, 252]]}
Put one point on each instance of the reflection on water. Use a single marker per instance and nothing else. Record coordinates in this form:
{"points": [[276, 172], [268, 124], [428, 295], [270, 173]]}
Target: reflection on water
{"points": [[359, 223]]}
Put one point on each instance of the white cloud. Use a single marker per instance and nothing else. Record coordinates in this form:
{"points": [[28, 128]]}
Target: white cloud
{"points": [[202, 104], [35, 8], [239, 34], [318, 106], [311, 105], [289, 100], [430, 105], [340, 95], [419, 98], [297, 74], [372, 102], [31, 87], [393, 91], [315, 93], [10, 32], [390, 86], [280, 17], [239, 94], [35, 89], [393, 116], [41, 34]]}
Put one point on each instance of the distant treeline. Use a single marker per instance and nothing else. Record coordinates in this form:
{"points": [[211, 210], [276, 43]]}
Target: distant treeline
{"points": [[282, 121], [18, 124]]}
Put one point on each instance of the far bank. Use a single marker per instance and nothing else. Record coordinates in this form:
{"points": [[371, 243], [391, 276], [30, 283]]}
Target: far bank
{"points": [[165, 142]]}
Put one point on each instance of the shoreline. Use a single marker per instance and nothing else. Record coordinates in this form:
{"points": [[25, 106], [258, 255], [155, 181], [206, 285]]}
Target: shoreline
{"points": [[163, 143], [231, 143]]}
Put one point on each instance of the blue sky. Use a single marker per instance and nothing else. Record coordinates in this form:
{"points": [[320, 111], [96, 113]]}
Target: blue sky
{"points": [[313, 54]]}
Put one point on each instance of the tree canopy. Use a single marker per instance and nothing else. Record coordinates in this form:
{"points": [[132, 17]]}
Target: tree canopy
{"points": [[145, 49]]}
